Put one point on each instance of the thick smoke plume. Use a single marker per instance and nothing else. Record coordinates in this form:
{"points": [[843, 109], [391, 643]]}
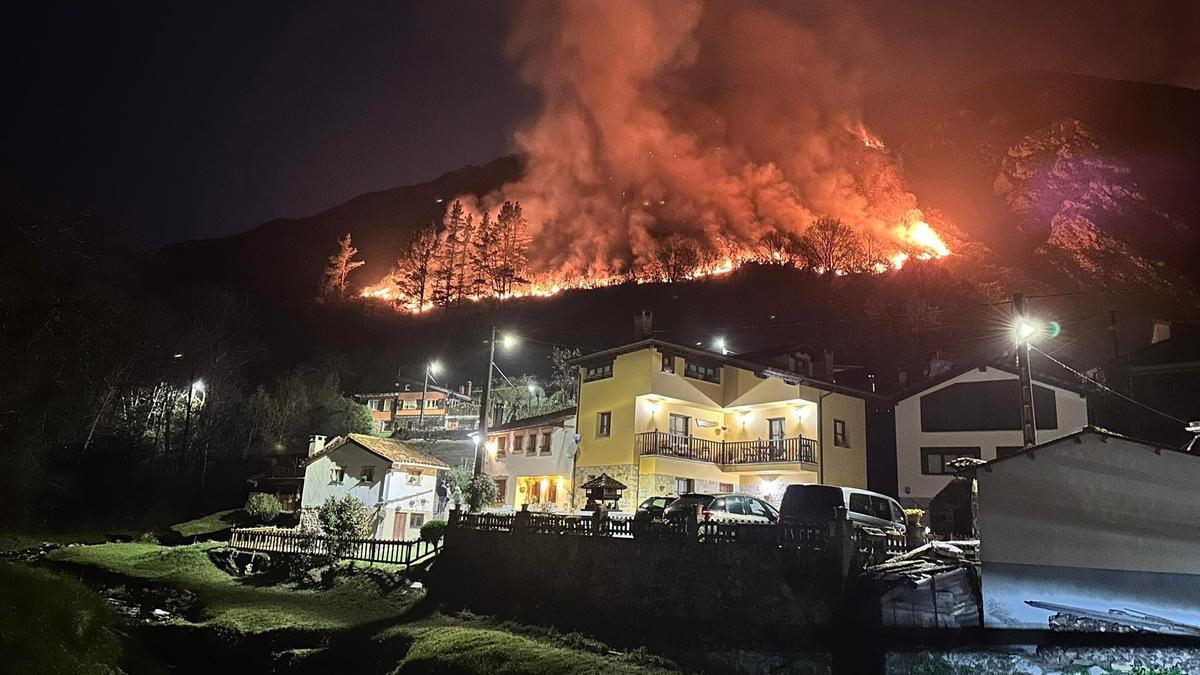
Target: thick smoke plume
{"points": [[722, 121]]}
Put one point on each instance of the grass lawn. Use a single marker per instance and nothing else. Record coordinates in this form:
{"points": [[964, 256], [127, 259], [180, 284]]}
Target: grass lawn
{"points": [[11, 542], [243, 604], [446, 645], [210, 524], [49, 624]]}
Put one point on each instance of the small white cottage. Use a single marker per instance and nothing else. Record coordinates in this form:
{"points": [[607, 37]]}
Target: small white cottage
{"points": [[397, 482]]}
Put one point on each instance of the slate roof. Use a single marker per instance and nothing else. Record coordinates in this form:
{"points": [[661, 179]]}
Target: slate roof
{"points": [[545, 419], [397, 452]]}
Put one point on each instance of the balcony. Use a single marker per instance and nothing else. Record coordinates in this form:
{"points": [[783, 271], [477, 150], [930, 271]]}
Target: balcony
{"points": [[786, 450]]}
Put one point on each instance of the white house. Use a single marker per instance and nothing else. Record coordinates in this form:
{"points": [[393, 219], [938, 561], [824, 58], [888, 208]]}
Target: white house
{"points": [[532, 461], [1091, 532], [972, 412], [396, 481]]}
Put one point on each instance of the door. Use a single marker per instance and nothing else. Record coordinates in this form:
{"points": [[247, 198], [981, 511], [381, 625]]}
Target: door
{"points": [[775, 435], [680, 426], [400, 526]]}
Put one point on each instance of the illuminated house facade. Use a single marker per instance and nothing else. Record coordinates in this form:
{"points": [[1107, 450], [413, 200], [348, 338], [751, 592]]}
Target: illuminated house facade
{"points": [[401, 409], [973, 412], [531, 461], [395, 481], [666, 419]]}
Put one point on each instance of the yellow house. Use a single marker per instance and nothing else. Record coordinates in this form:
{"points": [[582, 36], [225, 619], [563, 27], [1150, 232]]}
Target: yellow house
{"points": [[665, 419]]}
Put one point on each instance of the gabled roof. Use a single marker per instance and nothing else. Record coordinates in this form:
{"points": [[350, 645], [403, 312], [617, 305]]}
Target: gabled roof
{"points": [[603, 481], [543, 420], [1104, 434], [390, 449], [759, 369], [1039, 377]]}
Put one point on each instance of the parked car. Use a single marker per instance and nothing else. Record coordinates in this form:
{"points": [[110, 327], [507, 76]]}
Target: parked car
{"points": [[652, 508], [811, 501], [733, 507]]}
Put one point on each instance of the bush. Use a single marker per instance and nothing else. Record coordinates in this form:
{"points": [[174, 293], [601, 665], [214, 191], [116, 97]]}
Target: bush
{"points": [[433, 530], [343, 520], [481, 491], [263, 508]]}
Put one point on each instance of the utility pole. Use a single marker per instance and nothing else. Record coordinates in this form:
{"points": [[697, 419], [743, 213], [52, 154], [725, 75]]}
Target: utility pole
{"points": [[483, 403], [1024, 332], [424, 393]]}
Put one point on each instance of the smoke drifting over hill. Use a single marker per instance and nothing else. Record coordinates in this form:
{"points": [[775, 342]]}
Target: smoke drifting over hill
{"points": [[720, 121]]}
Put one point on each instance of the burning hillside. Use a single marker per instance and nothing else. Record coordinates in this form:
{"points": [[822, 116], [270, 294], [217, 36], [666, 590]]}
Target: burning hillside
{"points": [[676, 139]]}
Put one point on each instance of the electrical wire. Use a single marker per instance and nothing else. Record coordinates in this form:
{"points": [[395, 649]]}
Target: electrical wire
{"points": [[1109, 389]]}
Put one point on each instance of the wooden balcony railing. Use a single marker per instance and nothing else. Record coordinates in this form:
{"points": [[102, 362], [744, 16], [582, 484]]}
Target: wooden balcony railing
{"points": [[794, 450]]}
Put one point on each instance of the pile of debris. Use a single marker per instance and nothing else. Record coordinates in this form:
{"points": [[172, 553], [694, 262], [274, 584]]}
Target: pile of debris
{"points": [[933, 586]]}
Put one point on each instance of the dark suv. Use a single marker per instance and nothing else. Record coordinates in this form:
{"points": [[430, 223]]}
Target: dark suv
{"points": [[652, 508], [727, 507]]}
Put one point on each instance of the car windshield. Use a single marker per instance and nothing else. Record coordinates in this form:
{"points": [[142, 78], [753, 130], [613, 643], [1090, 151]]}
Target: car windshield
{"points": [[690, 501], [810, 502]]}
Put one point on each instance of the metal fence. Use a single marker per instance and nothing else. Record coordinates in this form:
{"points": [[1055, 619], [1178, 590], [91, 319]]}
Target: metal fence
{"points": [[274, 540]]}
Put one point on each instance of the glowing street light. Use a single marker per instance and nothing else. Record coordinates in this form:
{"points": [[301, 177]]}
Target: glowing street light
{"points": [[509, 341], [1025, 330], [721, 346], [431, 370]]}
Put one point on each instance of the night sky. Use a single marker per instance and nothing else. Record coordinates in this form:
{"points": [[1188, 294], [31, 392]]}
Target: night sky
{"points": [[171, 121]]}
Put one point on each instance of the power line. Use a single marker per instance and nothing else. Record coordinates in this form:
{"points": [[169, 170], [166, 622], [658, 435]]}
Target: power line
{"points": [[1107, 388]]}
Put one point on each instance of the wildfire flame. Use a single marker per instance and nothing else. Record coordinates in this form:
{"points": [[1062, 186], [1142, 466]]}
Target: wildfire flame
{"points": [[918, 237]]}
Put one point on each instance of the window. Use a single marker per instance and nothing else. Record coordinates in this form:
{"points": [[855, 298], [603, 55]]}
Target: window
{"points": [[375, 404], [839, 434], [702, 371], [501, 446], [531, 445], [385, 425], [598, 372], [861, 504], [414, 477], [881, 507], [725, 488], [992, 405], [718, 504], [545, 449], [668, 363], [501, 488], [518, 444], [433, 403], [735, 505], [679, 425], [898, 513], [934, 460], [756, 508], [684, 485], [408, 404], [603, 424], [337, 474], [1003, 451], [368, 474], [416, 520], [775, 430]]}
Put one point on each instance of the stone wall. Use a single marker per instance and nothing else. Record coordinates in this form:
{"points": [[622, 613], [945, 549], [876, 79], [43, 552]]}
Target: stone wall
{"points": [[625, 473], [634, 585]]}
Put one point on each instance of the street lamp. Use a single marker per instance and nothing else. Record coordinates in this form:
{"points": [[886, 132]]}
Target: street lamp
{"points": [[507, 341], [721, 346], [431, 370]]}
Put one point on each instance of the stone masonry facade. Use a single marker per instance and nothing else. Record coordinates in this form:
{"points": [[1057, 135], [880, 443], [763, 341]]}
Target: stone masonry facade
{"points": [[625, 473]]}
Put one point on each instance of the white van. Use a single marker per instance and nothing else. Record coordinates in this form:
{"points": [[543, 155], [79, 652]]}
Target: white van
{"points": [[812, 501]]}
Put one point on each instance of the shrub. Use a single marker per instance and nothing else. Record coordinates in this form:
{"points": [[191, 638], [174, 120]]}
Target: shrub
{"points": [[433, 530], [481, 491], [263, 508], [343, 520]]}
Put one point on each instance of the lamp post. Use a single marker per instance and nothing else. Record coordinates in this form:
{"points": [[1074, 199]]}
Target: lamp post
{"points": [[430, 370], [1025, 331], [508, 341]]}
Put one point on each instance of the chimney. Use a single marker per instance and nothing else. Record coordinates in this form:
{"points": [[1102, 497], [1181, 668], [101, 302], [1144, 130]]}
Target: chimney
{"points": [[827, 365], [468, 391], [1162, 331], [315, 444], [642, 324]]}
